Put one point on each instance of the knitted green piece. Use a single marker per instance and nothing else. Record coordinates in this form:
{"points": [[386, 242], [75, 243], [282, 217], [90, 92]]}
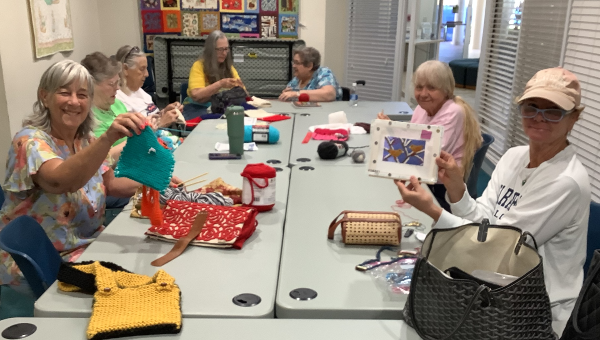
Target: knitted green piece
{"points": [[145, 161]]}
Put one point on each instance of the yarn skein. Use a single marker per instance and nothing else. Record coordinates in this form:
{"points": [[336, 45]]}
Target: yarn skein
{"points": [[358, 156], [332, 150]]}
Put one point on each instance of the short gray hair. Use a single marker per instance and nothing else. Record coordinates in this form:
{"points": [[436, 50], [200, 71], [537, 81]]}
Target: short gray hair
{"points": [[59, 75], [100, 66], [127, 55], [309, 55]]}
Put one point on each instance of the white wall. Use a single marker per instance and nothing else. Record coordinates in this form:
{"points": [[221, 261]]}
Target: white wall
{"points": [[323, 26], [120, 24], [21, 71], [336, 38], [98, 25]]}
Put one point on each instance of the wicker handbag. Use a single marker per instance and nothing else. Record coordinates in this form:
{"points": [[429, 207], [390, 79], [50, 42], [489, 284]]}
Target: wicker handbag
{"points": [[368, 227], [441, 307], [584, 323]]}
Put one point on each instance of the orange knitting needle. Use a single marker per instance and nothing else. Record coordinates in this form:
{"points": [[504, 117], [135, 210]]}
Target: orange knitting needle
{"points": [[191, 179]]}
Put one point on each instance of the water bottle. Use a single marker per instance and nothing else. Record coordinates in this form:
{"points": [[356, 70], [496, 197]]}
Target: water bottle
{"points": [[353, 96]]}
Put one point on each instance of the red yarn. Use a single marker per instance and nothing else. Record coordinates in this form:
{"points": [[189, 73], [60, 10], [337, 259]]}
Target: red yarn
{"points": [[303, 97], [258, 171]]}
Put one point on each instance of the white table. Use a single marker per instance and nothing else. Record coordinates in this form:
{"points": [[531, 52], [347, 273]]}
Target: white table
{"points": [[371, 107], [310, 260], [209, 278], [226, 329], [202, 140], [306, 154]]}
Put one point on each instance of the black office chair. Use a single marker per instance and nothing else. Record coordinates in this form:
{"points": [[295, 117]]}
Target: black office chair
{"points": [[149, 85], [346, 90]]}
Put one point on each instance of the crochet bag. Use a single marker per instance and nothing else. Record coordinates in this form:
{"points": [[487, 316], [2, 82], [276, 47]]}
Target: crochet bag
{"points": [[442, 306], [368, 227], [220, 101], [225, 227], [584, 323]]}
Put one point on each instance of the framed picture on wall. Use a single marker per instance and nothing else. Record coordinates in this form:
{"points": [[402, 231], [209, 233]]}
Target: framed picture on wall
{"points": [[52, 28], [190, 23], [239, 23], [268, 26], [268, 7], [232, 6], [209, 21], [288, 25], [196, 5], [288, 6], [171, 21], [152, 21], [149, 4], [252, 6], [169, 5]]}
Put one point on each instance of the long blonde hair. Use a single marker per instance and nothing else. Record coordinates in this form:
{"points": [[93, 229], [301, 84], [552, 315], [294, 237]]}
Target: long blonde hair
{"points": [[439, 75]]}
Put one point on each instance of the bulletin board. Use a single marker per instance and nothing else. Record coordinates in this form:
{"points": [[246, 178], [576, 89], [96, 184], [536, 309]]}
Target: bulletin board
{"points": [[236, 18]]}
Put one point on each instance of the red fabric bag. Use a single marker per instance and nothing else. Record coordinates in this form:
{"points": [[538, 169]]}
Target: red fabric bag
{"points": [[225, 227]]}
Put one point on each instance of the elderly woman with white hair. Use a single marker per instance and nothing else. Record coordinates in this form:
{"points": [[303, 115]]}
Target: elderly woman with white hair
{"points": [[311, 78], [133, 74], [434, 91], [57, 171], [541, 188]]}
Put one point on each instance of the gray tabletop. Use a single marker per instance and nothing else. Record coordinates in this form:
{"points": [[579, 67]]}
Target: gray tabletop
{"points": [[310, 260], [369, 107], [203, 138], [306, 153], [209, 278], [225, 329]]}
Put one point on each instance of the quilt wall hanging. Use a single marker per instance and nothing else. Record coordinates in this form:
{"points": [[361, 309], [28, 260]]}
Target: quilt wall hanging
{"points": [[51, 26], [236, 18]]}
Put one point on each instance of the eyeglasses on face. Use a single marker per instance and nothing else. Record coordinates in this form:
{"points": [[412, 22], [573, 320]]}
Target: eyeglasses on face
{"points": [[551, 115], [222, 49]]}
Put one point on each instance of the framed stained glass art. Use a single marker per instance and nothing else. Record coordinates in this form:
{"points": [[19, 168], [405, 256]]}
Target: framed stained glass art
{"points": [[400, 150]]}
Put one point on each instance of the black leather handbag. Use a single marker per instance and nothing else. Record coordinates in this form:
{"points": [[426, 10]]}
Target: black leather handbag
{"points": [[442, 307], [220, 101], [584, 323]]}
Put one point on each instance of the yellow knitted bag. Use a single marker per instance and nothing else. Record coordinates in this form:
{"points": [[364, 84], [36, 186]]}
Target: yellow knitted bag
{"points": [[121, 310]]}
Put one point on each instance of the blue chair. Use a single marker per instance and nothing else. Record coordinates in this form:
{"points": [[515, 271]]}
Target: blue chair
{"points": [[477, 162], [593, 236], [183, 91], [25, 240], [1, 198]]}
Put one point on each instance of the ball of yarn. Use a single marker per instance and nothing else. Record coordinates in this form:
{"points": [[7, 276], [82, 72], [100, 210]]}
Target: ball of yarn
{"points": [[332, 150], [303, 97], [358, 156]]}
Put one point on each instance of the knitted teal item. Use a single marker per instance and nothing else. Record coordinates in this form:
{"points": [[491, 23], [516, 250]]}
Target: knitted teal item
{"points": [[145, 161]]}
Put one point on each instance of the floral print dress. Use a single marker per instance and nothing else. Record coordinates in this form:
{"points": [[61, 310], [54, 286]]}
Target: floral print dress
{"points": [[71, 220]]}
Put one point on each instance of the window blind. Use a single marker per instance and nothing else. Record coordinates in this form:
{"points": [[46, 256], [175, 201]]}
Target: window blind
{"points": [[582, 56], [496, 72], [371, 48], [540, 47]]}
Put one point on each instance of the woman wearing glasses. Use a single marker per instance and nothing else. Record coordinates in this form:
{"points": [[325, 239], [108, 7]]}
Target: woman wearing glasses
{"points": [[210, 74], [541, 188], [132, 76], [310, 78]]}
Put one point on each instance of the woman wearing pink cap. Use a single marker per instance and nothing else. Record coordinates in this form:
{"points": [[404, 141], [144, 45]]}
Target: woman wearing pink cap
{"points": [[541, 188]]}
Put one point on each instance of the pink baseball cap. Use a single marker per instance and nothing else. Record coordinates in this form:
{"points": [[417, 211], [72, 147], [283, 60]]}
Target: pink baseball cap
{"points": [[556, 85]]}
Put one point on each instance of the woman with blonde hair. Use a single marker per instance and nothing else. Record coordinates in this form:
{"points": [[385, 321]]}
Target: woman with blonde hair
{"points": [[434, 91]]}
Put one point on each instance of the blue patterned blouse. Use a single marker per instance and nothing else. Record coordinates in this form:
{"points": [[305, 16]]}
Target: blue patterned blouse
{"points": [[321, 77]]}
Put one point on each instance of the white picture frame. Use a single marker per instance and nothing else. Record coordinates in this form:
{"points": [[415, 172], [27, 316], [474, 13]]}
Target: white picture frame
{"points": [[400, 150]]}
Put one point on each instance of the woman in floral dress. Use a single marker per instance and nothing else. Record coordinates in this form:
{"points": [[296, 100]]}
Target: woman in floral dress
{"points": [[57, 172]]}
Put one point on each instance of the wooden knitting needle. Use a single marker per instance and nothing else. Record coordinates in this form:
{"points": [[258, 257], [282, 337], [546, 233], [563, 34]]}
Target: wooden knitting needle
{"points": [[187, 185], [191, 179]]}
